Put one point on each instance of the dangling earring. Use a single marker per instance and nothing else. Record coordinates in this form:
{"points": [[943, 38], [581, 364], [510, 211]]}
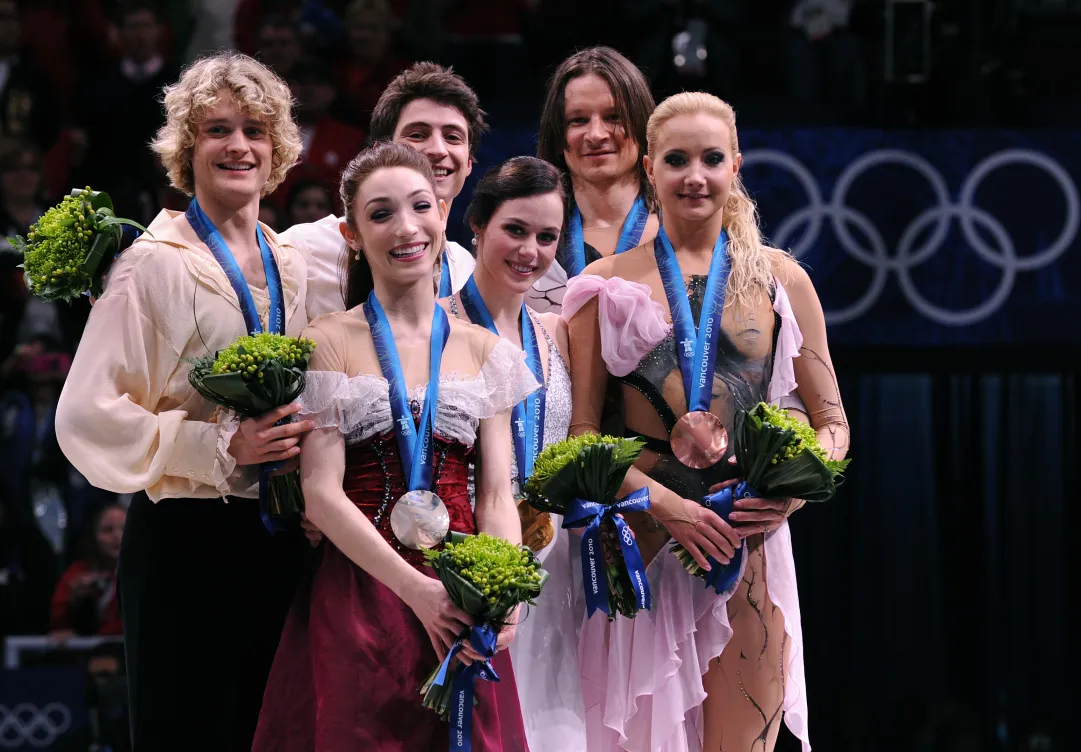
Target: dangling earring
{"points": [[357, 256], [474, 241]]}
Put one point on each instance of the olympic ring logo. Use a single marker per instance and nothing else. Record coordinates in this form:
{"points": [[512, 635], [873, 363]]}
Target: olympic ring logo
{"points": [[26, 724], [627, 537], [910, 253]]}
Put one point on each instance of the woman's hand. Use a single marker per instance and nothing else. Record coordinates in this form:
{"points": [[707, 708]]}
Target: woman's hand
{"points": [[503, 639], [258, 440], [752, 516], [443, 621], [699, 530]]}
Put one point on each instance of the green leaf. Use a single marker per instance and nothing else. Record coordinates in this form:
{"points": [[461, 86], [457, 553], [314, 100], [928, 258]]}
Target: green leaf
{"points": [[116, 221], [103, 244]]}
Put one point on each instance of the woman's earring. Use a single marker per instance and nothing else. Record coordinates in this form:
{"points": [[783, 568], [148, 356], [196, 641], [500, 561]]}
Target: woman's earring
{"points": [[357, 256], [474, 241]]}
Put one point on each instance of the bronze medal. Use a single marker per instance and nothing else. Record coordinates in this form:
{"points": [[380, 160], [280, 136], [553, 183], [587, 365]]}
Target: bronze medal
{"points": [[699, 439]]}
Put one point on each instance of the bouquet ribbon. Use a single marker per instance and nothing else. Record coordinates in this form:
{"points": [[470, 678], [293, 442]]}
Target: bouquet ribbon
{"points": [[271, 523], [590, 514], [209, 235], [722, 577], [482, 639]]}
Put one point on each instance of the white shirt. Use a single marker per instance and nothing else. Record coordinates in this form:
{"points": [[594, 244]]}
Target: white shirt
{"points": [[322, 246]]}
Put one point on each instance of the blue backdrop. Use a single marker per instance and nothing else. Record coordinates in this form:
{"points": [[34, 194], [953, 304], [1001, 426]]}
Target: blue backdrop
{"points": [[914, 238]]}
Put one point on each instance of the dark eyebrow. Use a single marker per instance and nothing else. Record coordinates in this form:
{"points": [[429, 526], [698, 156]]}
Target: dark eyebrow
{"points": [[416, 124], [385, 199], [523, 222]]}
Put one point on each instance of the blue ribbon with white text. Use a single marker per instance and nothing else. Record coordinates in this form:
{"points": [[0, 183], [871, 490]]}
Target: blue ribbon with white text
{"points": [[212, 239], [527, 417], [723, 577], [590, 514], [414, 441], [482, 639], [696, 347]]}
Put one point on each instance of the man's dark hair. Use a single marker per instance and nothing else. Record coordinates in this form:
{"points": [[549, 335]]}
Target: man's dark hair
{"points": [[427, 81]]}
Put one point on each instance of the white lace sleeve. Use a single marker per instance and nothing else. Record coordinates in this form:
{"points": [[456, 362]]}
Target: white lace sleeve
{"points": [[504, 381], [333, 400]]}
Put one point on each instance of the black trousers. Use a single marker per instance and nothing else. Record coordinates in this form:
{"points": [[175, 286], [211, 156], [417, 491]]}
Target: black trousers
{"points": [[204, 591]]}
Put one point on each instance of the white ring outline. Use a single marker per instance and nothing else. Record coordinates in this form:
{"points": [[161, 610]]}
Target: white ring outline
{"points": [[906, 258]]}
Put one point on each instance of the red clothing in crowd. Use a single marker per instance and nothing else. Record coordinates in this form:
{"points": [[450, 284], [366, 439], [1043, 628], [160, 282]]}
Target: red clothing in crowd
{"points": [[332, 145], [102, 593]]}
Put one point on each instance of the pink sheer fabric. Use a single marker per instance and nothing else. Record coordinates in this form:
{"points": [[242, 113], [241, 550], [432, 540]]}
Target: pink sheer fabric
{"points": [[642, 678], [631, 322]]}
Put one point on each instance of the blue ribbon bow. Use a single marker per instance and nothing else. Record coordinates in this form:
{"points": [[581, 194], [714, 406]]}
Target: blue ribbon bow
{"points": [[482, 639], [590, 514], [722, 577]]}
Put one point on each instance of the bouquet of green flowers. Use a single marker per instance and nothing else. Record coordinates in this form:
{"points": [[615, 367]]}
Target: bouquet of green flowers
{"points": [[779, 458], [488, 578], [252, 376], [579, 478], [69, 249]]}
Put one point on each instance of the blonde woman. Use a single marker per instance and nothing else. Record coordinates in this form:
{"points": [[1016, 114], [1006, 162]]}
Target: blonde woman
{"points": [[204, 587], [700, 671]]}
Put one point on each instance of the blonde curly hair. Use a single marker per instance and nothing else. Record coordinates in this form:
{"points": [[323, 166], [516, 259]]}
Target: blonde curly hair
{"points": [[256, 90], [751, 259]]}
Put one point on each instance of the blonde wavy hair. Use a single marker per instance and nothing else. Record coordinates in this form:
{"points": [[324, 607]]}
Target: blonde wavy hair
{"points": [[751, 259], [256, 90]]}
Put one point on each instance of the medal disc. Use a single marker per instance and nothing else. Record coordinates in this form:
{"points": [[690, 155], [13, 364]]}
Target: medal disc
{"points": [[419, 519], [699, 439]]}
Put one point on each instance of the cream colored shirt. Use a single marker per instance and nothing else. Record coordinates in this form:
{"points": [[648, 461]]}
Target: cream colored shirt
{"points": [[322, 246], [127, 419]]}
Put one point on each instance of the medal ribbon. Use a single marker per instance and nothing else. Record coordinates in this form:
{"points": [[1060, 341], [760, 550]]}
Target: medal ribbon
{"points": [[446, 289], [414, 441], [590, 514], [213, 240], [527, 417], [482, 639], [629, 236], [695, 349]]}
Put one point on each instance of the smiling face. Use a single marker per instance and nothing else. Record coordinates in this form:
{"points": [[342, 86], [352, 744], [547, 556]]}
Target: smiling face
{"points": [[693, 166], [598, 148], [232, 155], [399, 225], [519, 243], [441, 134]]}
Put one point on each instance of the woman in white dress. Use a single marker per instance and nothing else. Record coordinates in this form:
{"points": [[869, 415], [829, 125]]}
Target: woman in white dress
{"points": [[517, 214]]}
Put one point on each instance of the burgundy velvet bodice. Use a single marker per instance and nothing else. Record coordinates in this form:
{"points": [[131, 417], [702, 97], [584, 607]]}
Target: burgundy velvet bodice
{"points": [[374, 480]]}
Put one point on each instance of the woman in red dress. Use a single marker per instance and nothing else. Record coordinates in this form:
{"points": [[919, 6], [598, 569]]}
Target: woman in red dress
{"points": [[361, 640]]}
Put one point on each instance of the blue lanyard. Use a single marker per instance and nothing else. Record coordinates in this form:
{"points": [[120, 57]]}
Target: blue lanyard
{"points": [[629, 236], [446, 289], [695, 349], [527, 417], [213, 240], [414, 442]]}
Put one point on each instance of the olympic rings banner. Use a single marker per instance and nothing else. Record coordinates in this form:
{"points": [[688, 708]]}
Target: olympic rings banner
{"points": [[915, 238], [928, 238], [38, 706]]}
